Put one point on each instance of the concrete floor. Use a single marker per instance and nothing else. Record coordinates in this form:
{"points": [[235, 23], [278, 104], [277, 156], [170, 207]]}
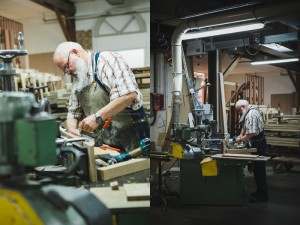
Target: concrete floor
{"points": [[282, 208]]}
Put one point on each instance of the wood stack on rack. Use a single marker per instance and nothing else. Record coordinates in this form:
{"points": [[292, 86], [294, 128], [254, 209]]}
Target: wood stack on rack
{"points": [[59, 97], [284, 131], [9, 30], [142, 76], [25, 78], [59, 100]]}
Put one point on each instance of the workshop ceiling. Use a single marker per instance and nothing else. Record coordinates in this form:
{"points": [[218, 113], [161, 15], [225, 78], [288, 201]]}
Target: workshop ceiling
{"points": [[166, 15], [22, 9]]}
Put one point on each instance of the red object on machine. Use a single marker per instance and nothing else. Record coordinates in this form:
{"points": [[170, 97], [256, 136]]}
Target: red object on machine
{"points": [[107, 122], [158, 101], [107, 147]]}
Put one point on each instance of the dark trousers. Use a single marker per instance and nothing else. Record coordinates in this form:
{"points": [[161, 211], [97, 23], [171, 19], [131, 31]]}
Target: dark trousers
{"points": [[259, 168]]}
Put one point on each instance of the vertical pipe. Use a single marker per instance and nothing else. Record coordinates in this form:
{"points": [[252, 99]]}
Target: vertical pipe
{"points": [[177, 82]]}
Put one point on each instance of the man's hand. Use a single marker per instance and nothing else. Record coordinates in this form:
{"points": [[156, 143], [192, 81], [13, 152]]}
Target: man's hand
{"points": [[89, 124], [238, 140], [75, 132]]}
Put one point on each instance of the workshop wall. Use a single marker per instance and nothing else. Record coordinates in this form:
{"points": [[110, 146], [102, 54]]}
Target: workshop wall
{"points": [[117, 42], [41, 37], [274, 83]]}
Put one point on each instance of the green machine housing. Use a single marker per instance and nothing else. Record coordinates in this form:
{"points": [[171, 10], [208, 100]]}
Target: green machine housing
{"points": [[32, 140]]}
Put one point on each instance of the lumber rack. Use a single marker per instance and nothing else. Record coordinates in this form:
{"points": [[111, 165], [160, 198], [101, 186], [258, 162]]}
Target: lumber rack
{"points": [[283, 134]]}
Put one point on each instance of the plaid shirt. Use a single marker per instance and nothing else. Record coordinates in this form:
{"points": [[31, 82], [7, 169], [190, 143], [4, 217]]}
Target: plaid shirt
{"points": [[116, 76], [253, 122]]}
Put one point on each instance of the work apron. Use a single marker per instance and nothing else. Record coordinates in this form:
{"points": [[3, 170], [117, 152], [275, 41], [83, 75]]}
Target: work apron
{"points": [[121, 132], [138, 116]]}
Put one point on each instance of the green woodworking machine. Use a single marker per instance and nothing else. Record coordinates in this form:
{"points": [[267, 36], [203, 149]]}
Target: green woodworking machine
{"points": [[27, 141]]}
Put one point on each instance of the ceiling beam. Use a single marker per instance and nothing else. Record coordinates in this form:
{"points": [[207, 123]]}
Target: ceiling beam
{"points": [[63, 25], [65, 13], [231, 67], [65, 7], [292, 78], [206, 46]]}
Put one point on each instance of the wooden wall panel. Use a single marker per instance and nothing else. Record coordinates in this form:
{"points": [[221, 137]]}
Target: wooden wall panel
{"points": [[285, 101]]}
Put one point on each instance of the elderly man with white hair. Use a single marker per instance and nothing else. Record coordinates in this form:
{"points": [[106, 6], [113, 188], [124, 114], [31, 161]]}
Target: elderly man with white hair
{"points": [[253, 131], [103, 88]]}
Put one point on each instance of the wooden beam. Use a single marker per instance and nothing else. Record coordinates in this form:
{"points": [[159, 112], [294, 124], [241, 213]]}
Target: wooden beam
{"points": [[63, 25], [292, 77], [66, 9], [116, 200], [140, 191], [123, 168], [239, 151], [91, 161], [231, 67]]}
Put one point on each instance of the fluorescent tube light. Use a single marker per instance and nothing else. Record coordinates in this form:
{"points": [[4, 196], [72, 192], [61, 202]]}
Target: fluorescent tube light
{"points": [[225, 30], [277, 47], [275, 61]]}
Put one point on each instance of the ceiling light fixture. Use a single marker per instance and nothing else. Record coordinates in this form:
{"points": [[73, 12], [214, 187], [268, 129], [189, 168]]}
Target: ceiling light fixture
{"points": [[224, 30], [277, 47], [274, 61]]}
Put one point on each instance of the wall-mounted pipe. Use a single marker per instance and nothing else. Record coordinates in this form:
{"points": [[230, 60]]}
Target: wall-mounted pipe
{"points": [[268, 12]]}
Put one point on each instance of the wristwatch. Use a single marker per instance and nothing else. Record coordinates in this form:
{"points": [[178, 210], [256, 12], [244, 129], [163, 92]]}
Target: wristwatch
{"points": [[99, 118]]}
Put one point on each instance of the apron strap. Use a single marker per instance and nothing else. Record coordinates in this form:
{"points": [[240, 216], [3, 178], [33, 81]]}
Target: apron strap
{"points": [[96, 57]]}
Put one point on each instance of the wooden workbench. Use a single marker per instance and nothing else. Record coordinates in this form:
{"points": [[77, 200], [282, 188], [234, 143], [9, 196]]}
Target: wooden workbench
{"points": [[116, 200], [243, 157]]}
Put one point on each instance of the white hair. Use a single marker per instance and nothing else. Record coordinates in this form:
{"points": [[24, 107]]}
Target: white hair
{"points": [[240, 103], [64, 48]]}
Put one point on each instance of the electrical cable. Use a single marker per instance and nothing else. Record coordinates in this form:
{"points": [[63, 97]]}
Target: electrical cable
{"points": [[248, 49]]}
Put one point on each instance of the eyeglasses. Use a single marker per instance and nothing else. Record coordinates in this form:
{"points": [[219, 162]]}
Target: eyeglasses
{"points": [[67, 66]]}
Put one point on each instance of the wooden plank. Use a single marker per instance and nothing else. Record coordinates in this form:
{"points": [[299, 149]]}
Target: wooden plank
{"points": [[140, 191], [234, 157], [283, 141], [238, 151], [114, 185], [239, 155], [123, 168], [91, 161], [116, 200]]}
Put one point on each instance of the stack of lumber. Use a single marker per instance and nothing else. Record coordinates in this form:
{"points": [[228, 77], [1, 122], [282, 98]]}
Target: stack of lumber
{"points": [[283, 141], [285, 132], [52, 96], [283, 127]]}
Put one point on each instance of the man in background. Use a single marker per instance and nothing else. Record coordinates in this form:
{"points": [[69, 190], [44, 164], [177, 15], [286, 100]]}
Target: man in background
{"points": [[253, 131]]}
